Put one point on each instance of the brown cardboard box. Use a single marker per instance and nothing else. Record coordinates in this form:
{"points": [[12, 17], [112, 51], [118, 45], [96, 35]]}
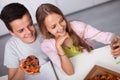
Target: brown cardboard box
{"points": [[98, 70]]}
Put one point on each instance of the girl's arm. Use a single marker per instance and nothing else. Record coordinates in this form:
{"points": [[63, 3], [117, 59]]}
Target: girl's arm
{"points": [[65, 61], [66, 64], [58, 59], [88, 32]]}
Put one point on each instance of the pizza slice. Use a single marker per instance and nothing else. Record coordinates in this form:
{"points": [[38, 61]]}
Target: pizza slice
{"points": [[31, 64], [105, 77]]}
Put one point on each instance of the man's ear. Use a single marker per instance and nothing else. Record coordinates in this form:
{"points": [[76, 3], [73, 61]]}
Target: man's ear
{"points": [[11, 32]]}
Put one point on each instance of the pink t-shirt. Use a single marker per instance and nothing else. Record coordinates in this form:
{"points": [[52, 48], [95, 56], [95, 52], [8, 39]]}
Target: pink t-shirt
{"points": [[84, 31]]}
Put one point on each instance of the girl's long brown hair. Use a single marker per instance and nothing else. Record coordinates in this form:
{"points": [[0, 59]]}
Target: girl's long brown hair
{"points": [[46, 9]]}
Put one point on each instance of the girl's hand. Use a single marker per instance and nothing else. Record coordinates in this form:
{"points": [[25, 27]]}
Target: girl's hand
{"points": [[115, 46], [61, 39]]}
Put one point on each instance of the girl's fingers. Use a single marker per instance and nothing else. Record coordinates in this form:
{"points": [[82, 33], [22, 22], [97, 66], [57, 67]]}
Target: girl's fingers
{"points": [[115, 46], [116, 52]]}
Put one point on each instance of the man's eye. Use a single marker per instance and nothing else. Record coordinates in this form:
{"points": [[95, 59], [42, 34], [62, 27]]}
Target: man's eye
{"points": [[31, 24], [21, 30], [61, 20]]}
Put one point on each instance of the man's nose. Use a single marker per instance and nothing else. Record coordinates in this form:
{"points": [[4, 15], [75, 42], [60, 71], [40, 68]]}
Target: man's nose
{"points": [[28, 30]]}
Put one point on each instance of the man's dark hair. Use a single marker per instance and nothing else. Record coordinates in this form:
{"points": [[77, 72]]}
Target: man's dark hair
{"points": [[12, 12]]}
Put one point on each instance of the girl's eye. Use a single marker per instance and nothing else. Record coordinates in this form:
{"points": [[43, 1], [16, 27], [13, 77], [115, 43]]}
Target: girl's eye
{"points": [[53, 26]]}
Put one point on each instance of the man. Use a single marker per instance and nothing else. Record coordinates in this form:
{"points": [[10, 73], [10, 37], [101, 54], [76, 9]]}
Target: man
{"points": [[25, 41]]}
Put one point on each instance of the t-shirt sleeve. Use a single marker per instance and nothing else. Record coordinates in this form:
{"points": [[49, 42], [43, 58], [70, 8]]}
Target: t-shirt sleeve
{"points": [[90, 33], [48, 47], [10, 57]]}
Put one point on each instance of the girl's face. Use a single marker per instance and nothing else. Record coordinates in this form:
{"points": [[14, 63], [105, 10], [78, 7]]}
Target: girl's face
{"points": [[55, 24]]}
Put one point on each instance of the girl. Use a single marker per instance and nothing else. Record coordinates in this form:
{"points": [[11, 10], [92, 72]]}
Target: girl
{"points": [[65, 39]]}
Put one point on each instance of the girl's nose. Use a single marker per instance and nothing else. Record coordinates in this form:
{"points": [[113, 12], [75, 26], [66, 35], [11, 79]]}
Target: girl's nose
{"points": [[59, 26]]}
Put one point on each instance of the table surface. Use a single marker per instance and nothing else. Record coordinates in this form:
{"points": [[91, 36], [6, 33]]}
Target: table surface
{"points": [[84, 62]]}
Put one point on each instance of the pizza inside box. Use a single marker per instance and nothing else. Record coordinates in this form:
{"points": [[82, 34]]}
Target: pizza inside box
{"points": [[101, 73]]}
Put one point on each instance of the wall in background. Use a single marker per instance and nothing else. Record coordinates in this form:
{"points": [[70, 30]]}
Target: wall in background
{"points": [[67, 6]]}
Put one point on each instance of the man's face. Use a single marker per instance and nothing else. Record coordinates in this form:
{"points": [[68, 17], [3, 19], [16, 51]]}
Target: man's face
{"points": [[24, 29]]}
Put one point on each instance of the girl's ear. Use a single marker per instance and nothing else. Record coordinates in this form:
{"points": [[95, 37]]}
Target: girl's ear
{"points": [[12, 33]]}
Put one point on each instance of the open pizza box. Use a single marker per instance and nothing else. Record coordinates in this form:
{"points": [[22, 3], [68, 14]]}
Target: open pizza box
{"points": [[98, 70]]}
